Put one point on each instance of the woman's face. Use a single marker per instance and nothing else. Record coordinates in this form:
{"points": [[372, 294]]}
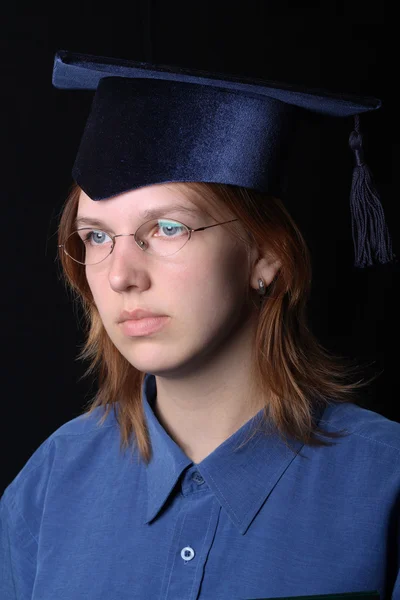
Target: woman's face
{"points": [[202, 288]]}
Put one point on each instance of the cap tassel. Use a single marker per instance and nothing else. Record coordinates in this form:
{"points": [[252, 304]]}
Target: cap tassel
{"points": [[370, 232]]}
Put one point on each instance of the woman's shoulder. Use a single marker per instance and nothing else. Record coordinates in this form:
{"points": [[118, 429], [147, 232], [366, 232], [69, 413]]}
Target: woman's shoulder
{"points": [[363, 424], [68, 457], [80, 439]]}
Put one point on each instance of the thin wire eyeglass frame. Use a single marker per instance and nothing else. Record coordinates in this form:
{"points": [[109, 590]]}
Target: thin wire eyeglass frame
{"points": [[138, 242]]}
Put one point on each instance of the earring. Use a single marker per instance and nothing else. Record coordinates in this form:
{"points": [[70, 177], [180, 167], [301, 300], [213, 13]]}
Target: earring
{"points": [[261, 291], [261, 287]]}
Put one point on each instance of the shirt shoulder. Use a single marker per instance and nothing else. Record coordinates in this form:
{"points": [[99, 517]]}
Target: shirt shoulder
{"points": [[363, 424], [72, 446], [26, 493]]}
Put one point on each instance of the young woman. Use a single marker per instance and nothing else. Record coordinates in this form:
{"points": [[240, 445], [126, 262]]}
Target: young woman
{"points": [[195, 472]]}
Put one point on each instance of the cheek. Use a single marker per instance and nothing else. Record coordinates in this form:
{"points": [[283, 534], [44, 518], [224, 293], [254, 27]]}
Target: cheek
{"points": [[212, 288], [102, 294], [192, 292], [201, 291]]}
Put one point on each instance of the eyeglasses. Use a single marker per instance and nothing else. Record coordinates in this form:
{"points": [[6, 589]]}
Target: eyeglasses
{"points": [[90, 246]]}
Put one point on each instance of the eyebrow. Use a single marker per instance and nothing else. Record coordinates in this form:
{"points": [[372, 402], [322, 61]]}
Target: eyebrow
{"points": [[150, 213]]}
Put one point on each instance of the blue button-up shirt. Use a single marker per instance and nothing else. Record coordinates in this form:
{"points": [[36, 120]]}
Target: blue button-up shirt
{"points": [[83, 520]]}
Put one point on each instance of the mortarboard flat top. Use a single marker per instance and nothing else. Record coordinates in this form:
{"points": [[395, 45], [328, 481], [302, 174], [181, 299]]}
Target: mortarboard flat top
{"points": [[152, 124], [163, 124], [84, 72]]}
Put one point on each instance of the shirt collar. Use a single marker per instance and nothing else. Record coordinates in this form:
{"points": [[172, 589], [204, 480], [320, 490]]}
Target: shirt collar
{"points": [[240, 479]]}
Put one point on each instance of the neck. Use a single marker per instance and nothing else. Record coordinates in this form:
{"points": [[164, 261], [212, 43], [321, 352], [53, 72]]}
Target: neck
{"points": [[202, 408]]}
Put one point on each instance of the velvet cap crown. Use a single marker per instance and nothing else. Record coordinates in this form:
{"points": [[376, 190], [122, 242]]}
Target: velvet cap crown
{"points": [[152, 124]]}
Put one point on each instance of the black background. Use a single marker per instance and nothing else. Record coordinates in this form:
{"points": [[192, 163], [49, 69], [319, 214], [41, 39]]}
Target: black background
{"points": [[340, 46]]}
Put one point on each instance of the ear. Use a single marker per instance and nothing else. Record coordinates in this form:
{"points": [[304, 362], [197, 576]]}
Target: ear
{"points": [[266, 268]]}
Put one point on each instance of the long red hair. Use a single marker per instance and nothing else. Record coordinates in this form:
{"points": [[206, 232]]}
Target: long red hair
{"points": [[292, 370]]}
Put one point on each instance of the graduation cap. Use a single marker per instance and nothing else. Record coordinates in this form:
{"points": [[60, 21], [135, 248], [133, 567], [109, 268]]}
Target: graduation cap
{"points": [[152, 124]]}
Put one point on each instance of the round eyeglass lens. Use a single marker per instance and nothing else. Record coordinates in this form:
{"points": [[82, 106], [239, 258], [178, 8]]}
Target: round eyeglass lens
{"points": [[160, 237]]}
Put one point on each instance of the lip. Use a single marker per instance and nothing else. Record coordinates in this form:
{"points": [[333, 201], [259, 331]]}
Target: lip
{"points": [[138, 313], [140, 327]]}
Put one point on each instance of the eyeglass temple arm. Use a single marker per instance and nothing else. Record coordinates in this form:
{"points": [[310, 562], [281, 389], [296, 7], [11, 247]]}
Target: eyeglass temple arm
{"points": [[208, 226]]}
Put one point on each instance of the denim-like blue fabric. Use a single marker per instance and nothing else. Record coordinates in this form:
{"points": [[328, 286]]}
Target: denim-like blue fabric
{"points": [[82, 520]]}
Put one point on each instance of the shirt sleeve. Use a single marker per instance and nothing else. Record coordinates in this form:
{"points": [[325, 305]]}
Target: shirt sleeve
{"points": [[394, 556], [18, 551], [21, 507], [7, 587], [396, 590]]}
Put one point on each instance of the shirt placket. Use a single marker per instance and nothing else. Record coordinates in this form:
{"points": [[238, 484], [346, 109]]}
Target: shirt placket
{"points": [[192, 539]]}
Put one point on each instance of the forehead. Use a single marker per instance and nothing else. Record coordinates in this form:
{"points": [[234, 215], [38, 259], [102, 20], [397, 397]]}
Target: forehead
{"points": [[143, 200]]}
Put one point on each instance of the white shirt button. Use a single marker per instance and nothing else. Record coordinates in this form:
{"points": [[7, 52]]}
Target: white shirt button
{"points": [[187, 553]]}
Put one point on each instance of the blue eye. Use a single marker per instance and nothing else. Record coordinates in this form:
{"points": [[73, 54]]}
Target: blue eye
{"points": [[170, 226], [98, 232]]}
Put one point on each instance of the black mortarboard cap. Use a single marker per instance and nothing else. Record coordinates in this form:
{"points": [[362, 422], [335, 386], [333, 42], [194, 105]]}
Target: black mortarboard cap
{"points": [[153, 124]]}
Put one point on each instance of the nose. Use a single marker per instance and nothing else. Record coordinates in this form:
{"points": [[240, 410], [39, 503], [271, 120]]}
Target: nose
{"points": [[126, 253], [127, 264], [119, 244]]}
